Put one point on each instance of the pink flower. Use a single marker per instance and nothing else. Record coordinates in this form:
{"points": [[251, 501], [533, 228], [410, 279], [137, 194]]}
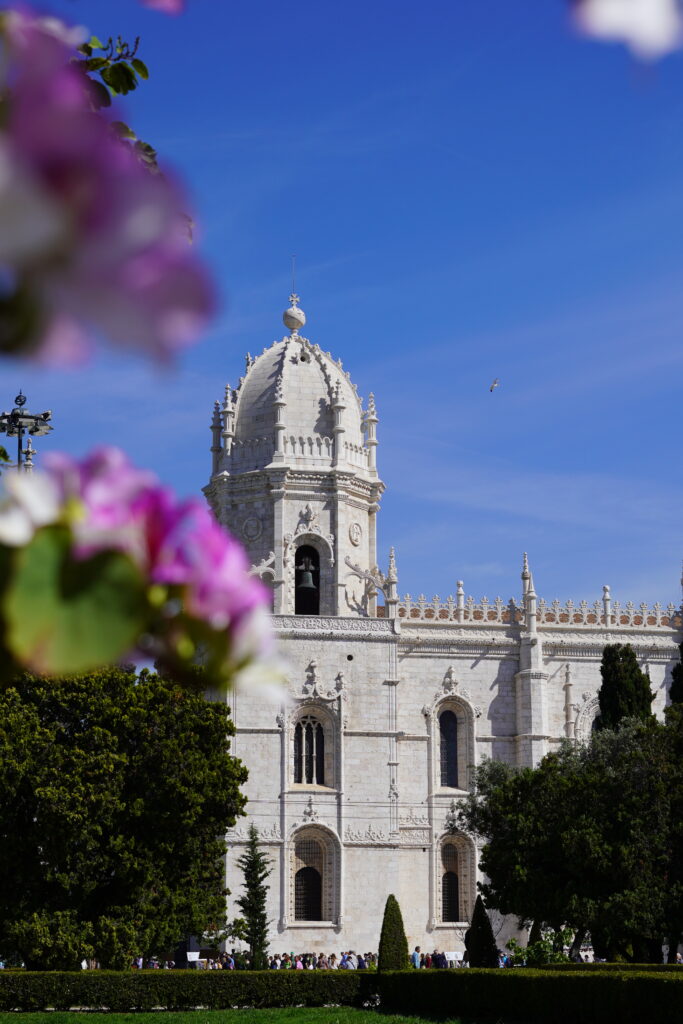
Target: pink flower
{"points": [[175, 543], [167, 6], [97, 242]]}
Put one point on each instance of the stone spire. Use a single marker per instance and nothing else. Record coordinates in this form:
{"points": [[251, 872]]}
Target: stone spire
{"points": [[526, 575], [338, 429], [370, 421], [216, 449], [228, 419], [390, 588]]}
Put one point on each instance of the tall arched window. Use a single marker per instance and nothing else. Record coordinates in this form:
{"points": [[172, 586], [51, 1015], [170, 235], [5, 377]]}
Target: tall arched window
{"points": [[309, 752], [308, 880], [448, 735], [307, 581], [450, 884]]}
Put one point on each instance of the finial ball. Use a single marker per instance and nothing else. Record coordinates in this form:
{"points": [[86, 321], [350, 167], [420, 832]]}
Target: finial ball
{"points": [[294, 318]]}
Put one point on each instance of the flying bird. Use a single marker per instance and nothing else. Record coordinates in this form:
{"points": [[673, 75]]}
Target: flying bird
{"points": [[495, 384]]}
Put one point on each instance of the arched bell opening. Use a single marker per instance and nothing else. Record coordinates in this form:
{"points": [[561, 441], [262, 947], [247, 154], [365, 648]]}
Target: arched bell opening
{"points": [[307, 581]]}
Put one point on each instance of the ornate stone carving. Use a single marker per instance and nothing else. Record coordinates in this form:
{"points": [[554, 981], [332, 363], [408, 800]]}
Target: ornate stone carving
{"points": [[450, 822], [266, 834], [413, 819], [355, 534], [415, 837], [252, 528], [310, 814], [265, 566], [368, 835], [308, 525]]}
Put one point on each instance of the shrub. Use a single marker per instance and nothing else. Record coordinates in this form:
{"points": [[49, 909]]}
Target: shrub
{"points": [[535, 995], [393, 945], [479, 941], [181, 990]]}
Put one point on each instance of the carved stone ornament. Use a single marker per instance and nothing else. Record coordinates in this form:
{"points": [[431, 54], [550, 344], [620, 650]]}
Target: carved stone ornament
{"points": [[252, 528], [355, 534], [265, 565], [450, 823], [368, 835], [414, 820], [310, 814], [308, 524], [313, 689]]}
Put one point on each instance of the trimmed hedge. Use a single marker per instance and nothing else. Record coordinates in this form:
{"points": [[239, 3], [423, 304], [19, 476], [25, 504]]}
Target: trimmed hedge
{"points": [[561, 997], [180, 990], [642, 968], [536, 995]]}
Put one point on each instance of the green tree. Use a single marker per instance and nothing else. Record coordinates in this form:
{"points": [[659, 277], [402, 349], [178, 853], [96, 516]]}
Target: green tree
{"points": [[252, 903], [625, 690], [676, 688], [479, 941], [393, 945], [115, 791], [584, 840]]}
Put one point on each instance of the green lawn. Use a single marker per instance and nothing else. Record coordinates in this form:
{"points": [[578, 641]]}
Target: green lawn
{"points": [[288, 1015]]}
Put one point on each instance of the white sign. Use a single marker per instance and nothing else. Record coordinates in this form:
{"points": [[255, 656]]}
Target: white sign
{"points": [[192, 957]]}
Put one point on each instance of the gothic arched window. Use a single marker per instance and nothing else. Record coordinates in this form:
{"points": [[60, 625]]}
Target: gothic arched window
{"points": [[309, 751], [307, 581], [450, 884], [448, 737], [308, 880]]}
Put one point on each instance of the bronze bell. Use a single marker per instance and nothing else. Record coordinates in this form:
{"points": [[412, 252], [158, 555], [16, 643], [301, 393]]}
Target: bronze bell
{"points": [[306, 581]]}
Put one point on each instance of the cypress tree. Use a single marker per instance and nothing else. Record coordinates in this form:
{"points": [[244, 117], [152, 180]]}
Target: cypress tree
{"points": [[393, 945], [252, 903], [676, 690], [479, 940], [625, 690]]}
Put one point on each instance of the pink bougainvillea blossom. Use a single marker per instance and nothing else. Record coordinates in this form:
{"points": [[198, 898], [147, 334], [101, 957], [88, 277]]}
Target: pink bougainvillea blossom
{"points": [[651, 28], [99, 243], [176, 543], [167, 6], [109, 504]]}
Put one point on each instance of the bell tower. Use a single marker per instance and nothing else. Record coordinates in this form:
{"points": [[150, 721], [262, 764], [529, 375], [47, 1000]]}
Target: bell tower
{"points": [[294, 476]]}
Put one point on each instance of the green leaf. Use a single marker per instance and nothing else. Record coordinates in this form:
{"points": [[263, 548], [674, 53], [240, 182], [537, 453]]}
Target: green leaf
{"points": [[120, 78], [64, 615], [123, 131], [96, 63], [95, 43], [141, 68], [4, 457], [99, 96]]}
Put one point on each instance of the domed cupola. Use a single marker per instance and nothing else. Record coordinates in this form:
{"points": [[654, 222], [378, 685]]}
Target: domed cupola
{"points": [[295, 406], [294, 476]]}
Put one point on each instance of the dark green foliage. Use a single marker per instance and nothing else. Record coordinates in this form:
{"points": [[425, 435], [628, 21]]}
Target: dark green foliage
{"points": [[252, 903], [625, 690], [535, 995], [114, 792], [479, 941], [182, 990], [676, 689], [591, 839], [393, 945], [571, 997]]}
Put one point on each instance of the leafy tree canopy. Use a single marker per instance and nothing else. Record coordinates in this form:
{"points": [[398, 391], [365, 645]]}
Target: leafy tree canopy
{"points": [[586, 839], [115, 791]]}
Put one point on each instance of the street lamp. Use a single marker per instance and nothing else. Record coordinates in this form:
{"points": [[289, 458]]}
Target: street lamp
{"points": [[19, 422]]}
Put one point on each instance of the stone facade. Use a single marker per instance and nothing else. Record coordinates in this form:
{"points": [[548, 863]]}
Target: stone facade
{"points": [[354, 780]]}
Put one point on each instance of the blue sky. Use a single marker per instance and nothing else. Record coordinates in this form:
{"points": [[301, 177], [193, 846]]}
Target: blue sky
{"points": [[473, 191]]}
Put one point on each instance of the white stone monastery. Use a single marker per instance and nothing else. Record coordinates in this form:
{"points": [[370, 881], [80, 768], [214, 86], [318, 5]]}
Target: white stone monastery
{"points": [[354, 782]]}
